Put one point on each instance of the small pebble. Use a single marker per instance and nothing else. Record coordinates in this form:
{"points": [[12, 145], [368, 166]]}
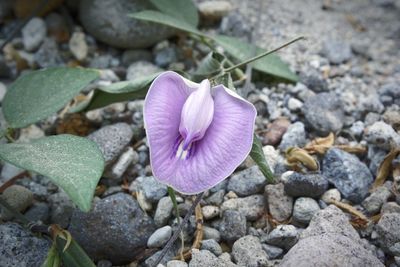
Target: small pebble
{"points": [[33, 33], [211, 245], [17, 197], [163, 211], [160, 237], [331, 194], [78, 45], [210, 212], [303, 210]]}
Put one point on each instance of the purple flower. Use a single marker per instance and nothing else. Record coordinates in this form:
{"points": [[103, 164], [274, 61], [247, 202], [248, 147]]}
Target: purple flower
{"points": [[197, 135]]}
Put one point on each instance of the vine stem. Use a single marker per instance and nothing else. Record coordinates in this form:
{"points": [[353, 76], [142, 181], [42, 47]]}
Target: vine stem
{"points": [[241, 64], [180, 227]]}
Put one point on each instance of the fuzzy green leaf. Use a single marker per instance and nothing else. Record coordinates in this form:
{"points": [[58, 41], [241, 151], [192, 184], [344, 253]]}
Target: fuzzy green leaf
{"points": [[73, 163], [257, 154], [38, 94], [182, 9], [74, 255]]}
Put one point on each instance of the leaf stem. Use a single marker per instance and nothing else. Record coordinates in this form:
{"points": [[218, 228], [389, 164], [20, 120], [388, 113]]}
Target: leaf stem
{"points": [[180, 227], [172, 195], [241, 64]]}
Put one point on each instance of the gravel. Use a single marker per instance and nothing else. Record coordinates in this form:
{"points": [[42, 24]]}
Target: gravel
{"points": [[305, 185], [336, 51], [295, 136], [163, 211], [160, 237], [247, 182], [280, 205], [151, 188], [374, 202], [233, 225], [304, 209], [18, 197], [283, 236], [252, 207], [33, 33], [388, 231], [247, 251], [212, 246]]}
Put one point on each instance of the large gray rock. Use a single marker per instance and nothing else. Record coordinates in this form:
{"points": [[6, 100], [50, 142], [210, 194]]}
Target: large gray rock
{"points": [[349, 175], [112, 139], [324, 113], [330, 240], [20, 247], [116, 229], [109, 22]]}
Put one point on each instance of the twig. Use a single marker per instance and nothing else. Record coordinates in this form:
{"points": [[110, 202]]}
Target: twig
{"points": [[35, 12], [177, 232], [241, 64], [12, 180]]}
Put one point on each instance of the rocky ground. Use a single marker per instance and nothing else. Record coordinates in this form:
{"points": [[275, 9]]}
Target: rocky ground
{"points": [[349, 69]]}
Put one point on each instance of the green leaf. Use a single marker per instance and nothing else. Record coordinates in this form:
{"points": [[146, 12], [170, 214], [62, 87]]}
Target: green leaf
{"points": [[74, 255], [210, 66], [73, 163], [257, 154], [168, 20], [241, 50], [225, 79], [120, 91], [53, 258], [182, 9], [38, 94]]}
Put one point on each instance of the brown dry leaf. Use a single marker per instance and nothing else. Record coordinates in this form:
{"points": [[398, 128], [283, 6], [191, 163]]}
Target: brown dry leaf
{"points": [[360, 220], [296, 156], [100, 189], [353, 149], [385, 168], [57, 231], [76, 124], [321, 144]]}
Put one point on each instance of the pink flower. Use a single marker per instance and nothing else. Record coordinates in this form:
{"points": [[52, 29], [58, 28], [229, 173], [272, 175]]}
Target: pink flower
{"points": [[197, 134]]}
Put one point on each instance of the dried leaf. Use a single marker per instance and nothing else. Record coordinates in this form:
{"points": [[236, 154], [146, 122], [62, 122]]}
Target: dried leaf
{"points": [[321, 144], [360, 220], [57, 231], [385, 168], [353, 149], [296, 156]]}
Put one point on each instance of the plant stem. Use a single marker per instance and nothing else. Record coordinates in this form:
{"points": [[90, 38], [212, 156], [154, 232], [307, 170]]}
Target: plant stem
{"points": [[180, 227], [172, 195], [263, 54]]}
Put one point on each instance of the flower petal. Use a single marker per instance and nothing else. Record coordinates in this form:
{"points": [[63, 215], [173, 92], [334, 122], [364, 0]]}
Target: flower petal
{"points": [[162, 115], [223, 148]]}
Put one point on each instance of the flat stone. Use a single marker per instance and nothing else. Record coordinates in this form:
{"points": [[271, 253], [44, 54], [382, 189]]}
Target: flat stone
{"points": [[280, 205], [305, 185], [247, 251], [115, 229], [247, 182], [19, 247], [349, 175], [104, 21]]}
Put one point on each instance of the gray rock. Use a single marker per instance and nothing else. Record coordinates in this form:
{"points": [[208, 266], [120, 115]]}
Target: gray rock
{"points": [[38, 212], [61, 208], [177, 263], [210, 212], [104, 263], [39, 191], [272, 251], [33, 33], [247, 251], [141, 68], [233, 225], [8, 171], [211, 233], [304, 209], [127, 158], [313, 80], [48, 54], [357, 128], [390, 207], [18, 197], [279, 204], [283, 236], [165, 54], [294, 104], [217, 198], [163, 211], [375, 155], [101, 62], [115, 229], [349, 175], [150, 261], [324, 113], [374, 202], [395, 249], [151, 188], [305, 185], [201, 258], [20, 247], [337, 51], [252, 207], [131, 56], [329, 234], [160, 237], [295, 136], [211, 245], [382, 135], [236, 24], [112, 139], [331, 194], [390, 94], [104, 21], [213, 10], [371, 103], [387, 230], [247, 182]]}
